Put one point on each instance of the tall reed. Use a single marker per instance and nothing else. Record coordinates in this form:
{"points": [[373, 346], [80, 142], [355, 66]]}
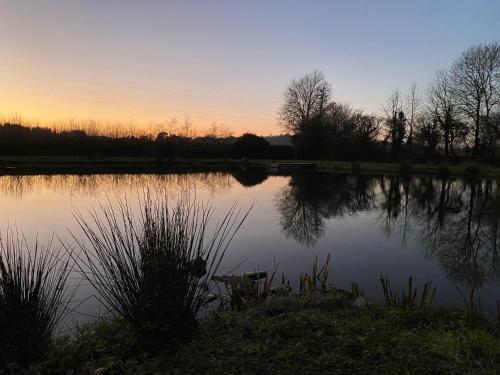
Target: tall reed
{"points": [[33, 298], [154, 270], [472, 307], [408, 299]]}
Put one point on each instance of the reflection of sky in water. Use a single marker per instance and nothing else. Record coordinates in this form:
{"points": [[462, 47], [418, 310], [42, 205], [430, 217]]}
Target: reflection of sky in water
{"points": [[371, 226]]}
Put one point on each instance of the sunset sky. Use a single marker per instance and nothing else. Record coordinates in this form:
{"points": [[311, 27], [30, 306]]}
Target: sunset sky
{"points": [[223, 61]]}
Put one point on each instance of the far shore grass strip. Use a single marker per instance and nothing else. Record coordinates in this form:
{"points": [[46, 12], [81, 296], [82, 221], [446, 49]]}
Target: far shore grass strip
{"points": [[20, 164]]}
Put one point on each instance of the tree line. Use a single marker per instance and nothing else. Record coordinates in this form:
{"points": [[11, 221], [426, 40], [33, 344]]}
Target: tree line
{"points": [[456, 117], [16, 139]]}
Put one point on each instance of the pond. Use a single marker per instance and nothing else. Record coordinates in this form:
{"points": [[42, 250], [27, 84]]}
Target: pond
{"points": [[440, 229]]}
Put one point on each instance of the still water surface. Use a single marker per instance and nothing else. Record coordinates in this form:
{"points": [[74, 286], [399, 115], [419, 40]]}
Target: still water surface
{"points": [[440, 229]]}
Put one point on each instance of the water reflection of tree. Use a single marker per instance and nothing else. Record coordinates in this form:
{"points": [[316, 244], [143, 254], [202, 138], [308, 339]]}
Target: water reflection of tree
{"points": [[250, 177], [394, 202], [308, 200], [456, 219], [465, 243]]}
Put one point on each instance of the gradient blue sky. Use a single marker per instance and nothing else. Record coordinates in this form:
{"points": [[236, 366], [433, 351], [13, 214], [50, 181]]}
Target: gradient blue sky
{"points": [[225, 61]]}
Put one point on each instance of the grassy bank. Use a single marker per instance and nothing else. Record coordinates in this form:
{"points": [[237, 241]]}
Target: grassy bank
{"points": [[88, 165], [295, 337], [465, 168], [50, 164]]}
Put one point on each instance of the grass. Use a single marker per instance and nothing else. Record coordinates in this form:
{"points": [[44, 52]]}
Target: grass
{"points": [[295, 337], [154, 271], [19, 165], [33, 298]]}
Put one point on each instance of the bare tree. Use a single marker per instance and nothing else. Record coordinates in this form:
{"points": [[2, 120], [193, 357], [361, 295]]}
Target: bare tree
{"points": [[475, 84], [338, 114], [492, 93], [413, 101], [442, 107], [394, 104], [396, 121], [427, 132], [366, 127], [304, 99]]}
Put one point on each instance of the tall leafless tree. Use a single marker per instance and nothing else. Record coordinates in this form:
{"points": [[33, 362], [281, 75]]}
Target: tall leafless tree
{"points": [[304, 99], [393, 104], [475, 83], [396, 121], [442, 107], [366, 127], [492, 94], [413, 101], [427, 132]]}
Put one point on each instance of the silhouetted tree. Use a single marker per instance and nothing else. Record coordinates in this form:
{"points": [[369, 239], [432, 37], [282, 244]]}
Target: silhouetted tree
{"points": [[250, 146], [476, 85], [427, 133], [396, 122], [398, 129], [413, 102], [304, 102], [442, 107]]}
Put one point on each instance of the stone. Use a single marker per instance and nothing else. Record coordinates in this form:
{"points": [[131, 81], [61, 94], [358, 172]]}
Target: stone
{"points": [[359, 302], [281, 290]]}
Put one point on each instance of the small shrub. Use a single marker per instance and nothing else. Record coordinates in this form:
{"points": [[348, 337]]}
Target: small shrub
{"points": [[33, 299], [155, 271]]}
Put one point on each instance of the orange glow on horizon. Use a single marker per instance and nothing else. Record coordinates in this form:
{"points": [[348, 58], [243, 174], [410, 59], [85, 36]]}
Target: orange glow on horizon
{"points": [[63, 113]]}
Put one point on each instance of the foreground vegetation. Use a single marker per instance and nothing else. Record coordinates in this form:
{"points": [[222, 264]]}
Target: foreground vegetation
{"points": [[155, 273], [33, 298], [294, 336]]}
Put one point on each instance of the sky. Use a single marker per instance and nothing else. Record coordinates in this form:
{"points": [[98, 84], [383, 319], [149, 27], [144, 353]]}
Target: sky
{"points": [[224, 62]]}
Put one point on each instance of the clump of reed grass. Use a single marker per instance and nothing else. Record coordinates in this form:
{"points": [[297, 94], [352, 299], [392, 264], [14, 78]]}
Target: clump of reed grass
{"points": [[308, 284], [33, 298], [472, 309], [356, 290], [154, 270], [408, 298]]}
